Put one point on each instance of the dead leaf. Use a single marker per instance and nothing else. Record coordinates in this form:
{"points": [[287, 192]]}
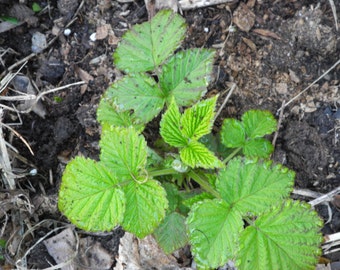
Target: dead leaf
{"points": [[84, 76], [266, 33], [102, 31]]}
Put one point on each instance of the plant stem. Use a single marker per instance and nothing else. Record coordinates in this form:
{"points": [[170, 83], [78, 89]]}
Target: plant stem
{"points": [[204, 184], [162, 172], [232, 155]]}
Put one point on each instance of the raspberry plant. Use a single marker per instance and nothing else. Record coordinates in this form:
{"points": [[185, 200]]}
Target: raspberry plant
{"points": [[228, 205]]}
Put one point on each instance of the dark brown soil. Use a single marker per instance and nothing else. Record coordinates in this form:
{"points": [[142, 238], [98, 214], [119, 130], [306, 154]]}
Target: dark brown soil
{"points": [[290, 44]]}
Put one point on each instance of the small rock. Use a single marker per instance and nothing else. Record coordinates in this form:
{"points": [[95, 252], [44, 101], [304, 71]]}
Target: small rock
{"points": [[51, 70], [281, 88], [39, 42]]}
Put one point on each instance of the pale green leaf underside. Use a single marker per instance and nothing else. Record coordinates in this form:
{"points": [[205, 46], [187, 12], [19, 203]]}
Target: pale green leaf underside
{"points": [[258, 147], [147, 45], [108, 113], [213, 229], [252, 186], [258, 123], [287, 237], [124, 151], [145, 207], [90, 196], [232, 133], [138, 93], [170, 126], [195, 154], [186, 75], [197, 120], [171, 233]]}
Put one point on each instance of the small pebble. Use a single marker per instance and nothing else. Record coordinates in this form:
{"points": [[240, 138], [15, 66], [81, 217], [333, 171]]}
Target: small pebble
{"points": [[67, 32], [93, 37]]}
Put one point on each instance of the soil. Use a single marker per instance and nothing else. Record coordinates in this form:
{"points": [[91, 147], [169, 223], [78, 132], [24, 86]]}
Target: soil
{"points": [[271, 50]]}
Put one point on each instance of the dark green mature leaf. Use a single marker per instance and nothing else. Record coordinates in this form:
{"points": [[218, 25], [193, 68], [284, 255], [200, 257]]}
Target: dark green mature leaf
{"points": [[258, 123], [252, 187], [145, 207], [171, 233], [186, 75], [258, 147], [138, 93], [124, 151], [213, 229], [286, 237], [146, 46], [108, 113], [232, 133], [90, 196]]}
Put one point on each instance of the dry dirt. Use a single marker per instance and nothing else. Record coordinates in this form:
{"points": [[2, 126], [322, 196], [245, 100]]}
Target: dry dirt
{"points": [[271, 50]]}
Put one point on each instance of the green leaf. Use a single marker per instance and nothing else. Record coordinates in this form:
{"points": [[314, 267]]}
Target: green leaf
{"points": [[258, 123], [124, 151], [213, 229], [138, 93], [258, 147], [232, 133], [108, 113], [189, 202], [252, 187], [198, 120], [145, 207], [90, 196], [36, 7], [170, 126], [186, 75], [171, 233], [146, 46], [286, 237], [195, 154], [172, 196]]}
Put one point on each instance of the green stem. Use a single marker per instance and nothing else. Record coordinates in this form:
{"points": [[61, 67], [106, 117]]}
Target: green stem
{"points": [[232, 155], [204, 184], [166, 171]]}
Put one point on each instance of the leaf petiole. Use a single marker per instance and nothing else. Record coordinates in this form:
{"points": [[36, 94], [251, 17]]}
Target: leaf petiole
{"points": [[204, 184], [166, 171], [234, 153]]}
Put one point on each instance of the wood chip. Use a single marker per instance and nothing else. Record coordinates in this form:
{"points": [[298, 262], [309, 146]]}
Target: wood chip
{"points": [[266, 33], [243, 17], [249, 43]]}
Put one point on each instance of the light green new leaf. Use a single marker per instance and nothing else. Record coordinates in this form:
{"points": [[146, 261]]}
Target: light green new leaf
{"points": [[232, 133], [170, 126], [253, 186], [139, 93], [186, 75], [145, 207], [213, 229], [258, 147], [197, 120], [90, 196], [124, 151], [171, 233], [286, 237], [258, 123], [108, 113], [147, 45], [195, 154]]}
